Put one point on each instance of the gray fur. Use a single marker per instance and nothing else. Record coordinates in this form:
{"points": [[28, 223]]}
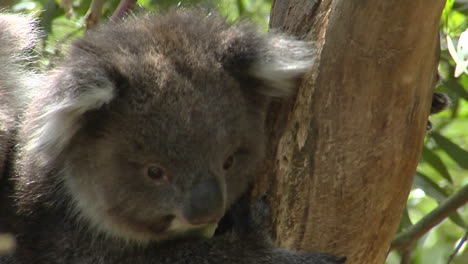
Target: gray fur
{"points": [[181, 92]]}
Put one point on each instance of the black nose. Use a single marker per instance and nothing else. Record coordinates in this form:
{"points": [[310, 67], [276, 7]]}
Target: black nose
{"points": [[206, 202]]}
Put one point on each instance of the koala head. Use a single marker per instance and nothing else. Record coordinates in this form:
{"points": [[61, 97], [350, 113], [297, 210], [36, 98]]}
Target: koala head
{"points": [[156, 124]]}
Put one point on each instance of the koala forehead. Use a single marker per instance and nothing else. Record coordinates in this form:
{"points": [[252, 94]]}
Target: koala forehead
{"points": [[174, 108], [204, 122], [195, 96]]}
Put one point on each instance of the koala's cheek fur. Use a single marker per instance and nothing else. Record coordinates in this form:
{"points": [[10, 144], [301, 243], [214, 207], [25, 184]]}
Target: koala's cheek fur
{"points": [[113, 197], [132, 219]]}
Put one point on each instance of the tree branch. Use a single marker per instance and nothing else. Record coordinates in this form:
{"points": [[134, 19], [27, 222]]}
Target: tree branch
{"points": [[342, 154], [405, 240]]}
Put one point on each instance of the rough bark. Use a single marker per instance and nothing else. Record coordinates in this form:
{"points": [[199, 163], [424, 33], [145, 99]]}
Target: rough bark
{"points": [[344, 150]]}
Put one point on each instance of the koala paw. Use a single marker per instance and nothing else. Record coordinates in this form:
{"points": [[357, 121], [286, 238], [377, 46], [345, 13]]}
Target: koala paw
{"points": [[247, 217], [440, 102], [260, 216]]}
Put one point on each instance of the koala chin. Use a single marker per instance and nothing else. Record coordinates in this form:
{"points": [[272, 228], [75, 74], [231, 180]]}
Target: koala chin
{"points": [[149, 130]]}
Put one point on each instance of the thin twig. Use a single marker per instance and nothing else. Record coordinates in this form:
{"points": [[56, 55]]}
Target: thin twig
{"points": [[458, 247], [125, 6], [406, 239], [67, 6], [406, 257], [94, 13]]}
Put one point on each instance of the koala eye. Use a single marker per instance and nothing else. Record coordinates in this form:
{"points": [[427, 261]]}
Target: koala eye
{"points": [[228, 162], [156, 173]]}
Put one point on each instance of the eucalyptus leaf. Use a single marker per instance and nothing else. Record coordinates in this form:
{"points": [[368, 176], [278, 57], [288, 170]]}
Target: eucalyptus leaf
{"points": [[456, 88], [459, 155], [430, 187], [51, 11], [458, 220], [436, 162]]}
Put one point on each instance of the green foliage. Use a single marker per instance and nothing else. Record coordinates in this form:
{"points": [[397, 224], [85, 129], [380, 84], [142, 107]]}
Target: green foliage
{"points": [[444, 166]]}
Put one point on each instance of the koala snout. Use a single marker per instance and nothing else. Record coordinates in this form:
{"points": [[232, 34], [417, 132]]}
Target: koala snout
{"points": [[206, 202]]}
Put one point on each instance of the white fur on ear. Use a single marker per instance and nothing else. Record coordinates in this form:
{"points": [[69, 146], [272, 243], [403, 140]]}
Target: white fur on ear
{"points": [[283, 62], [18, 33], [18, 37], [52, 129]]}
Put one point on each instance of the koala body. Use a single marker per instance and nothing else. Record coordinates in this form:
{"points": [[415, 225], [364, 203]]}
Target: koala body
{"points": [[149, 131]]}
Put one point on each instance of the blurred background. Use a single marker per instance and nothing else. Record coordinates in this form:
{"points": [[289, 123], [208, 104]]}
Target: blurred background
{"points": [[443, 169]]}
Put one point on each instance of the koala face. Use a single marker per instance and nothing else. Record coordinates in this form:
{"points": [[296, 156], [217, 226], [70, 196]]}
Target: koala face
{"points": [[156, 124], [166, 156]]}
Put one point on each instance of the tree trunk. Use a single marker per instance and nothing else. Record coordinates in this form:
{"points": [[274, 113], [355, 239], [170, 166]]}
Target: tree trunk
{"points": [[344, 150]]}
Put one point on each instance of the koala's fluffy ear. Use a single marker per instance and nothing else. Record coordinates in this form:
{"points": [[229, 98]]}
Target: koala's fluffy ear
{"points": [[75, 92], [18, 35], [276, 60]]}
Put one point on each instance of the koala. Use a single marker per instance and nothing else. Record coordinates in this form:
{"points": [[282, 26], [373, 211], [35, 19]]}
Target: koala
{"points": [[144, 137]]}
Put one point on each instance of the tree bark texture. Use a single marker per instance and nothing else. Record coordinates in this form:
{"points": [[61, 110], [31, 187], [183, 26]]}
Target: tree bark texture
{"points": [[343, 152]]}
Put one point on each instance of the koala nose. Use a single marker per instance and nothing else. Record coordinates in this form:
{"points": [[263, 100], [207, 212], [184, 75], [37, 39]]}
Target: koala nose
{"points": [[206, 202]]}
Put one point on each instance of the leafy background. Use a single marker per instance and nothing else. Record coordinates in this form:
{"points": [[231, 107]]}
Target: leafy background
{"points": [[443, 169]]}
